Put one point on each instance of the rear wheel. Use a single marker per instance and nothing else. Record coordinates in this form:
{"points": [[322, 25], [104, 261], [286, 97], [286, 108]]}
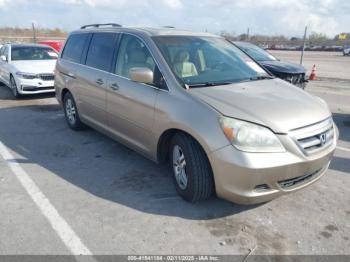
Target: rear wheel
{"points": [[192, 172], [71, 112], [13, 87]]}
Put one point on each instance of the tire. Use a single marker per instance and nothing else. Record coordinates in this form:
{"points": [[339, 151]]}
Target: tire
{"points": [[193, 161], [71, 113], [13, 87]]}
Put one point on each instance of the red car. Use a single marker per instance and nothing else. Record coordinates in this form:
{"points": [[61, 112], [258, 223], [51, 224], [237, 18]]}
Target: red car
{"points": [[55, 44]]}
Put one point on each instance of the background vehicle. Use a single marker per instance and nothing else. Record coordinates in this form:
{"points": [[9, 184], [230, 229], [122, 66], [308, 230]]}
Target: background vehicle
{"points": [[292, 73], [346, 51], [57, 45], [28, 68], [224, 123]]}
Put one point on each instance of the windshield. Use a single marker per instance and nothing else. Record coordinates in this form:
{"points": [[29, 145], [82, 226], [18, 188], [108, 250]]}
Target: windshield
{"points": [[32, 53], [207, 60], [255, 52]]}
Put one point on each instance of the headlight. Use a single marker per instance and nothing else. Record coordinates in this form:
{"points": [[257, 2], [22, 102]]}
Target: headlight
{"points": [[26, 75], [249, 137]]}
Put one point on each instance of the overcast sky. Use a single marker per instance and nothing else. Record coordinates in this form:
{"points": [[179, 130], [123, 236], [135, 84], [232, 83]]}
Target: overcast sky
{"points": [[272, 17]]}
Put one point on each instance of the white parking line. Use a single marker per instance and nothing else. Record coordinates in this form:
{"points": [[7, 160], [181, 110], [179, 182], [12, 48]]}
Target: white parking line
{"points": [[343, 148], [61, 227]]}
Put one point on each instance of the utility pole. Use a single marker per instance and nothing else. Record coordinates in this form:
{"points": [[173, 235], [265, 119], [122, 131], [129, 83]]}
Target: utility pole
{"points": [[303, 49], [248, 34], [34, 33]]}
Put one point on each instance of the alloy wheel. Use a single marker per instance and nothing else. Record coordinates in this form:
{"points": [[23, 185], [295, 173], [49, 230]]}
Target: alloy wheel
{"points": [[70, 111], [179, 166]]}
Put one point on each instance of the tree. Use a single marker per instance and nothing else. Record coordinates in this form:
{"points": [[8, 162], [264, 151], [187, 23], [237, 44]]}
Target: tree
{"points": [[318, 37]]}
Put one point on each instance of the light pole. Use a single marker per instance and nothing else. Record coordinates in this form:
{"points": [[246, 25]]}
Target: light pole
{"points": [[34, 33], [303, 49]]}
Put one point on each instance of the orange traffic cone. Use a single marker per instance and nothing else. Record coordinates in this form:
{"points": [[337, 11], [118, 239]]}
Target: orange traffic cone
{"points": [[313, 73]]}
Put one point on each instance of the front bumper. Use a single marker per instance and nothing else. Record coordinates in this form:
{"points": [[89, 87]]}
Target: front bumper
{"points": [[251, 178], [35, 86]]}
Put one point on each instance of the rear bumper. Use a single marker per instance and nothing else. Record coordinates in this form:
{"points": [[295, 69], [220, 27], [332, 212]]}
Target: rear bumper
{"points": [[250, 178]]}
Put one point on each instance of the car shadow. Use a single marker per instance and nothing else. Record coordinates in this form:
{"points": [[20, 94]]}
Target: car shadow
{"points": [[341, 164], [100, 166], [343, 123], [6, 94]]}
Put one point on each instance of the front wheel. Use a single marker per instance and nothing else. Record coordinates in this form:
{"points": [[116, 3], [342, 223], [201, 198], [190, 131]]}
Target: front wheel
{"points": [[71, 112], [192, 171], [13, 87]]}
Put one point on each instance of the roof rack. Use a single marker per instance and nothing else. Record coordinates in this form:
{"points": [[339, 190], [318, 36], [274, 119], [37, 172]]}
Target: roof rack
{"points": [[99, 25], [169, 26]]}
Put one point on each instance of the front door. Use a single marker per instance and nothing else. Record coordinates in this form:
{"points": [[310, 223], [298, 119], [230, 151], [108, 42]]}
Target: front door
{"points": [[131, 105]]}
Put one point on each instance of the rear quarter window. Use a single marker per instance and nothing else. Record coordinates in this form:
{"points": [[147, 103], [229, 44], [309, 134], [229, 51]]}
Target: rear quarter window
{"points": [[74, 47]]}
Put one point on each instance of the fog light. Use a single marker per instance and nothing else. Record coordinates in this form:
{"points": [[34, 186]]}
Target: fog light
{"points": [[262, 187]]}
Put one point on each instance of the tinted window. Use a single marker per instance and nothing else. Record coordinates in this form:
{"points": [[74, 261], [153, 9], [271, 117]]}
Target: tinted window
{"points": [[101, 50], [199, 60], [74, 47], [256, 52], [32, 53], [134, 53]]}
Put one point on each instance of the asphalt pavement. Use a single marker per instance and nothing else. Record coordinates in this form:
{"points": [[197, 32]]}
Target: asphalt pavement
{"points": [[66, 192]]}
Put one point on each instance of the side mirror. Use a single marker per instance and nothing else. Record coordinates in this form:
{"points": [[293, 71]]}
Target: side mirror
{"points": [[3, 58], [141, 75]]}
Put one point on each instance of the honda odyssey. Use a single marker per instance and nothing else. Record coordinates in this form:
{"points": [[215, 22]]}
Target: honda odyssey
{"points": [[226, 126]]}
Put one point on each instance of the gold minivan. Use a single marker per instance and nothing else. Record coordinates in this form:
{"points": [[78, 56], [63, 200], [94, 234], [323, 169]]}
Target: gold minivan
{"points": [[225, 124]]}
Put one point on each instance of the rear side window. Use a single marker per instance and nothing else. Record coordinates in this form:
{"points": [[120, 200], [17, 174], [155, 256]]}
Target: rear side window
{"points": [[101, 51], [74, 47]]}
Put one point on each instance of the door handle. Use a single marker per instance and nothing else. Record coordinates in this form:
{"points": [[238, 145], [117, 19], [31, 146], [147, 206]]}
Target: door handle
{"points": [[115, 86], [99, 82], [71, 75]]}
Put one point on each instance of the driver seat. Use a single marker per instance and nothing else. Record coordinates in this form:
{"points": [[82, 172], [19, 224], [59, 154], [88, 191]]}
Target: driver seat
{"points": [[182, 66]]}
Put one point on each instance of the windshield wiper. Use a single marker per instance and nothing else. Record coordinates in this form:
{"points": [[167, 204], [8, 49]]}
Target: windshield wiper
{"points": [[256, 78], [207, 84]]}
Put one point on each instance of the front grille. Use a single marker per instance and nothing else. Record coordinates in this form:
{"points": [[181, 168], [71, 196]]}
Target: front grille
{"points": [[298, 180], [295, 79], [315, 138], [35, 88], [46, 77]]}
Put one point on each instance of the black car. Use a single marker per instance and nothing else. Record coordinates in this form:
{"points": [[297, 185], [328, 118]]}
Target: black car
{"points": [[292, 73]]}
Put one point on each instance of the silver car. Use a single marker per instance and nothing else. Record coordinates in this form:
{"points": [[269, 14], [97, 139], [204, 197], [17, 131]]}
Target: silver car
{"points": [[226, 126]]}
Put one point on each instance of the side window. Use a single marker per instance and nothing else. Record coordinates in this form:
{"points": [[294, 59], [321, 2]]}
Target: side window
{"points": [[100, 54], [134, 53], [6, 52], [74, 47]]}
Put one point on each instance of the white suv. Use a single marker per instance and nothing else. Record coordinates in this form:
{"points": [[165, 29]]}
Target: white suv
{"points": [[28, 68], [346, 51]]}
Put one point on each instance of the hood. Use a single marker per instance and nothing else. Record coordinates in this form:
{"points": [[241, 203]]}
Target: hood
{"points": [[272, 103], [283, 67], [35, 66]]}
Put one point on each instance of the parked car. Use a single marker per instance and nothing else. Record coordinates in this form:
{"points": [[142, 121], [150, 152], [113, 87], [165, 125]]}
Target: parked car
{"points": [[28, 68], [57, 45], [292, 73], [225, 125], [346, 51]]}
